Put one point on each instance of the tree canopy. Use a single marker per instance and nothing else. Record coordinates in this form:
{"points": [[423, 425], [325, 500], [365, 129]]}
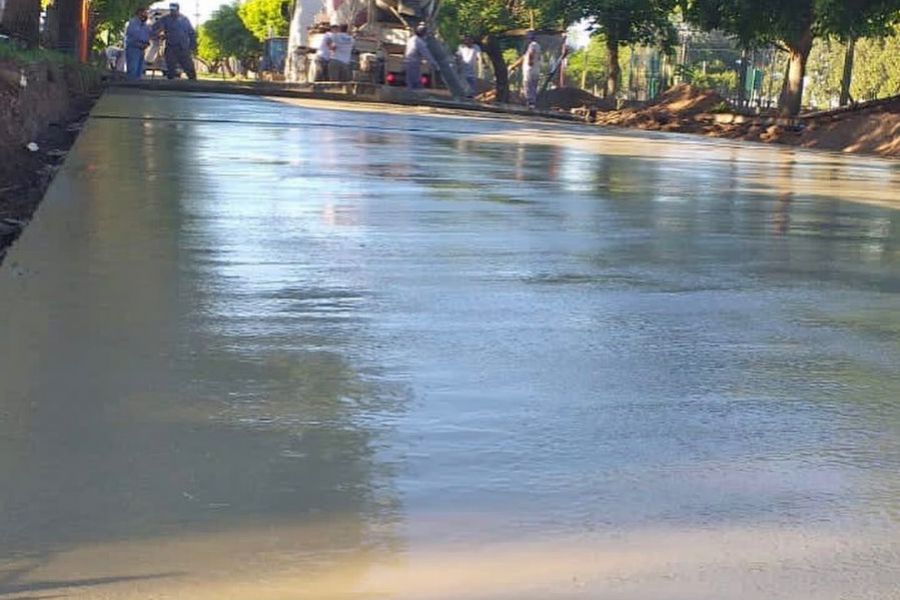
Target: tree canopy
{"points": [[225, 35], [626, 22], [792, 25], [485, 20], [265, 18]]}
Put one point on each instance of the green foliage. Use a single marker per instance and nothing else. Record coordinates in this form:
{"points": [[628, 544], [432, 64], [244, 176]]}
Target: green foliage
{"points": [[724, 82], [588, 64], [876, 72], [792, 25], [13, 53], [224, 35], [629, 21], [111, 16], [477, 18], [480, 18], [759, 22], [265, 18]]}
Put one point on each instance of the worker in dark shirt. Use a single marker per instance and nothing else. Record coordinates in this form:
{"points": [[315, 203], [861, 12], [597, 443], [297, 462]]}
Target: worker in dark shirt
{"points": [[181, 42]]}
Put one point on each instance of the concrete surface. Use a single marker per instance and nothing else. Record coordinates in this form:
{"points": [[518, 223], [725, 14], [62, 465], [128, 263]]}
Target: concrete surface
{"points": [[259, 349]]}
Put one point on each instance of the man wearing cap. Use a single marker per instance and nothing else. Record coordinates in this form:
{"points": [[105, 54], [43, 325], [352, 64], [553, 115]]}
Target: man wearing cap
{"points": [[181, 41], [416, 50], [531, 69]]}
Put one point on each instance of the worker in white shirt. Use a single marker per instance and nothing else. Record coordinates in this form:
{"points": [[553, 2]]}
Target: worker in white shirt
{"points": [[416, 50], [323, 54], [531, 69], [468, 56], [342, 52]]}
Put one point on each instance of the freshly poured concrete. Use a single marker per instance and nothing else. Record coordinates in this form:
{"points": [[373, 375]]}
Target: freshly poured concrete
{"points": [[256, 349]]}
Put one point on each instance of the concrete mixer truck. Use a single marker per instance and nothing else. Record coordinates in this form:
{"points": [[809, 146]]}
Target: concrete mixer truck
{"points": [[381, 29]]}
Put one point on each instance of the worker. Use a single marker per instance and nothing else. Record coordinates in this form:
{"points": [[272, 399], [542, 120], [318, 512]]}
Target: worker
{"points": [[416, 50], [323, 54], [468, 57], [342, 53], [137, 38], [181, 42], [531, 69]]}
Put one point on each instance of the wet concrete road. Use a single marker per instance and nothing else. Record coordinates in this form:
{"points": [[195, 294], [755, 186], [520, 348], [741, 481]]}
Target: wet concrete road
{"points": [[260, 350]]}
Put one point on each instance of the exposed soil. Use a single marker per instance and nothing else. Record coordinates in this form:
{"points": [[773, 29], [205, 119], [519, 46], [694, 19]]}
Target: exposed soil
{"points": [[675, 110], [568, 98], [42, 104], [872, 128]]}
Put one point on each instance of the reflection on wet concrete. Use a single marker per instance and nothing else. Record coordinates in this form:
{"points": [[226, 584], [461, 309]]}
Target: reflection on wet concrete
{"points": [[259, 350]]}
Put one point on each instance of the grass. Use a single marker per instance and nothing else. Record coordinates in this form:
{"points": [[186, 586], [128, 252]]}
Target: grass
{"points": [[9, 52]]}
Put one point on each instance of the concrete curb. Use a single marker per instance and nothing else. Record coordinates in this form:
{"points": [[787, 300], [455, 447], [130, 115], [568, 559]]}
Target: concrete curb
{"points": [[346, 92]]}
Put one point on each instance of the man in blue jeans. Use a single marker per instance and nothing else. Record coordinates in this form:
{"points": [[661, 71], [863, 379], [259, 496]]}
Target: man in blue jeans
{"points": [[137, 38]]}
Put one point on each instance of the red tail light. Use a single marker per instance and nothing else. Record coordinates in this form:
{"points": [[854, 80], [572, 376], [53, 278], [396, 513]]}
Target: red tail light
{"points": [[426, 80], [391, 79]]}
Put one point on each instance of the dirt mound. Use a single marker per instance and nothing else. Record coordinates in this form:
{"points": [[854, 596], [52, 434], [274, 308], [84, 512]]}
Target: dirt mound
{"points": [[674, 110], [685, 100], [567, 98], [872, 128]]}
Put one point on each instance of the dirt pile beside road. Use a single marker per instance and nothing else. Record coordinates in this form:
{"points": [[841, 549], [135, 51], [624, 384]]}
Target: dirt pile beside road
{"points": [[567, 98], [39, 100], [675, 110], [872, 128]]}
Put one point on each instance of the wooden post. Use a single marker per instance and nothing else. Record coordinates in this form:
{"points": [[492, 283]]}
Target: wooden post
{"points": [[84, 27]]}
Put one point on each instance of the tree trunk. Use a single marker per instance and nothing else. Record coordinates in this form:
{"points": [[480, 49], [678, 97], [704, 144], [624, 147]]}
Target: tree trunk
{"points": [[848, 71], [742, 80], [63, 18], [613, 70], [21, 20], [501, 73], [799, 54]]}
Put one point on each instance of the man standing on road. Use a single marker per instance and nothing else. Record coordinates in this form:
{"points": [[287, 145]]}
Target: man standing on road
{"points": [[531, 69], [323, 54], [468, 56], [416, 50], [181, 42], [339, 67], [137, 38]]}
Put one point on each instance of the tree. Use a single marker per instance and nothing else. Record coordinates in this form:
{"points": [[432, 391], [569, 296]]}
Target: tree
{"points": [[21, 20], [487, 20], [876, 74], [265, 18], [792, 26], [627, 22], [62, 27], [852, 19], [224, 36], [588, 65]]}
